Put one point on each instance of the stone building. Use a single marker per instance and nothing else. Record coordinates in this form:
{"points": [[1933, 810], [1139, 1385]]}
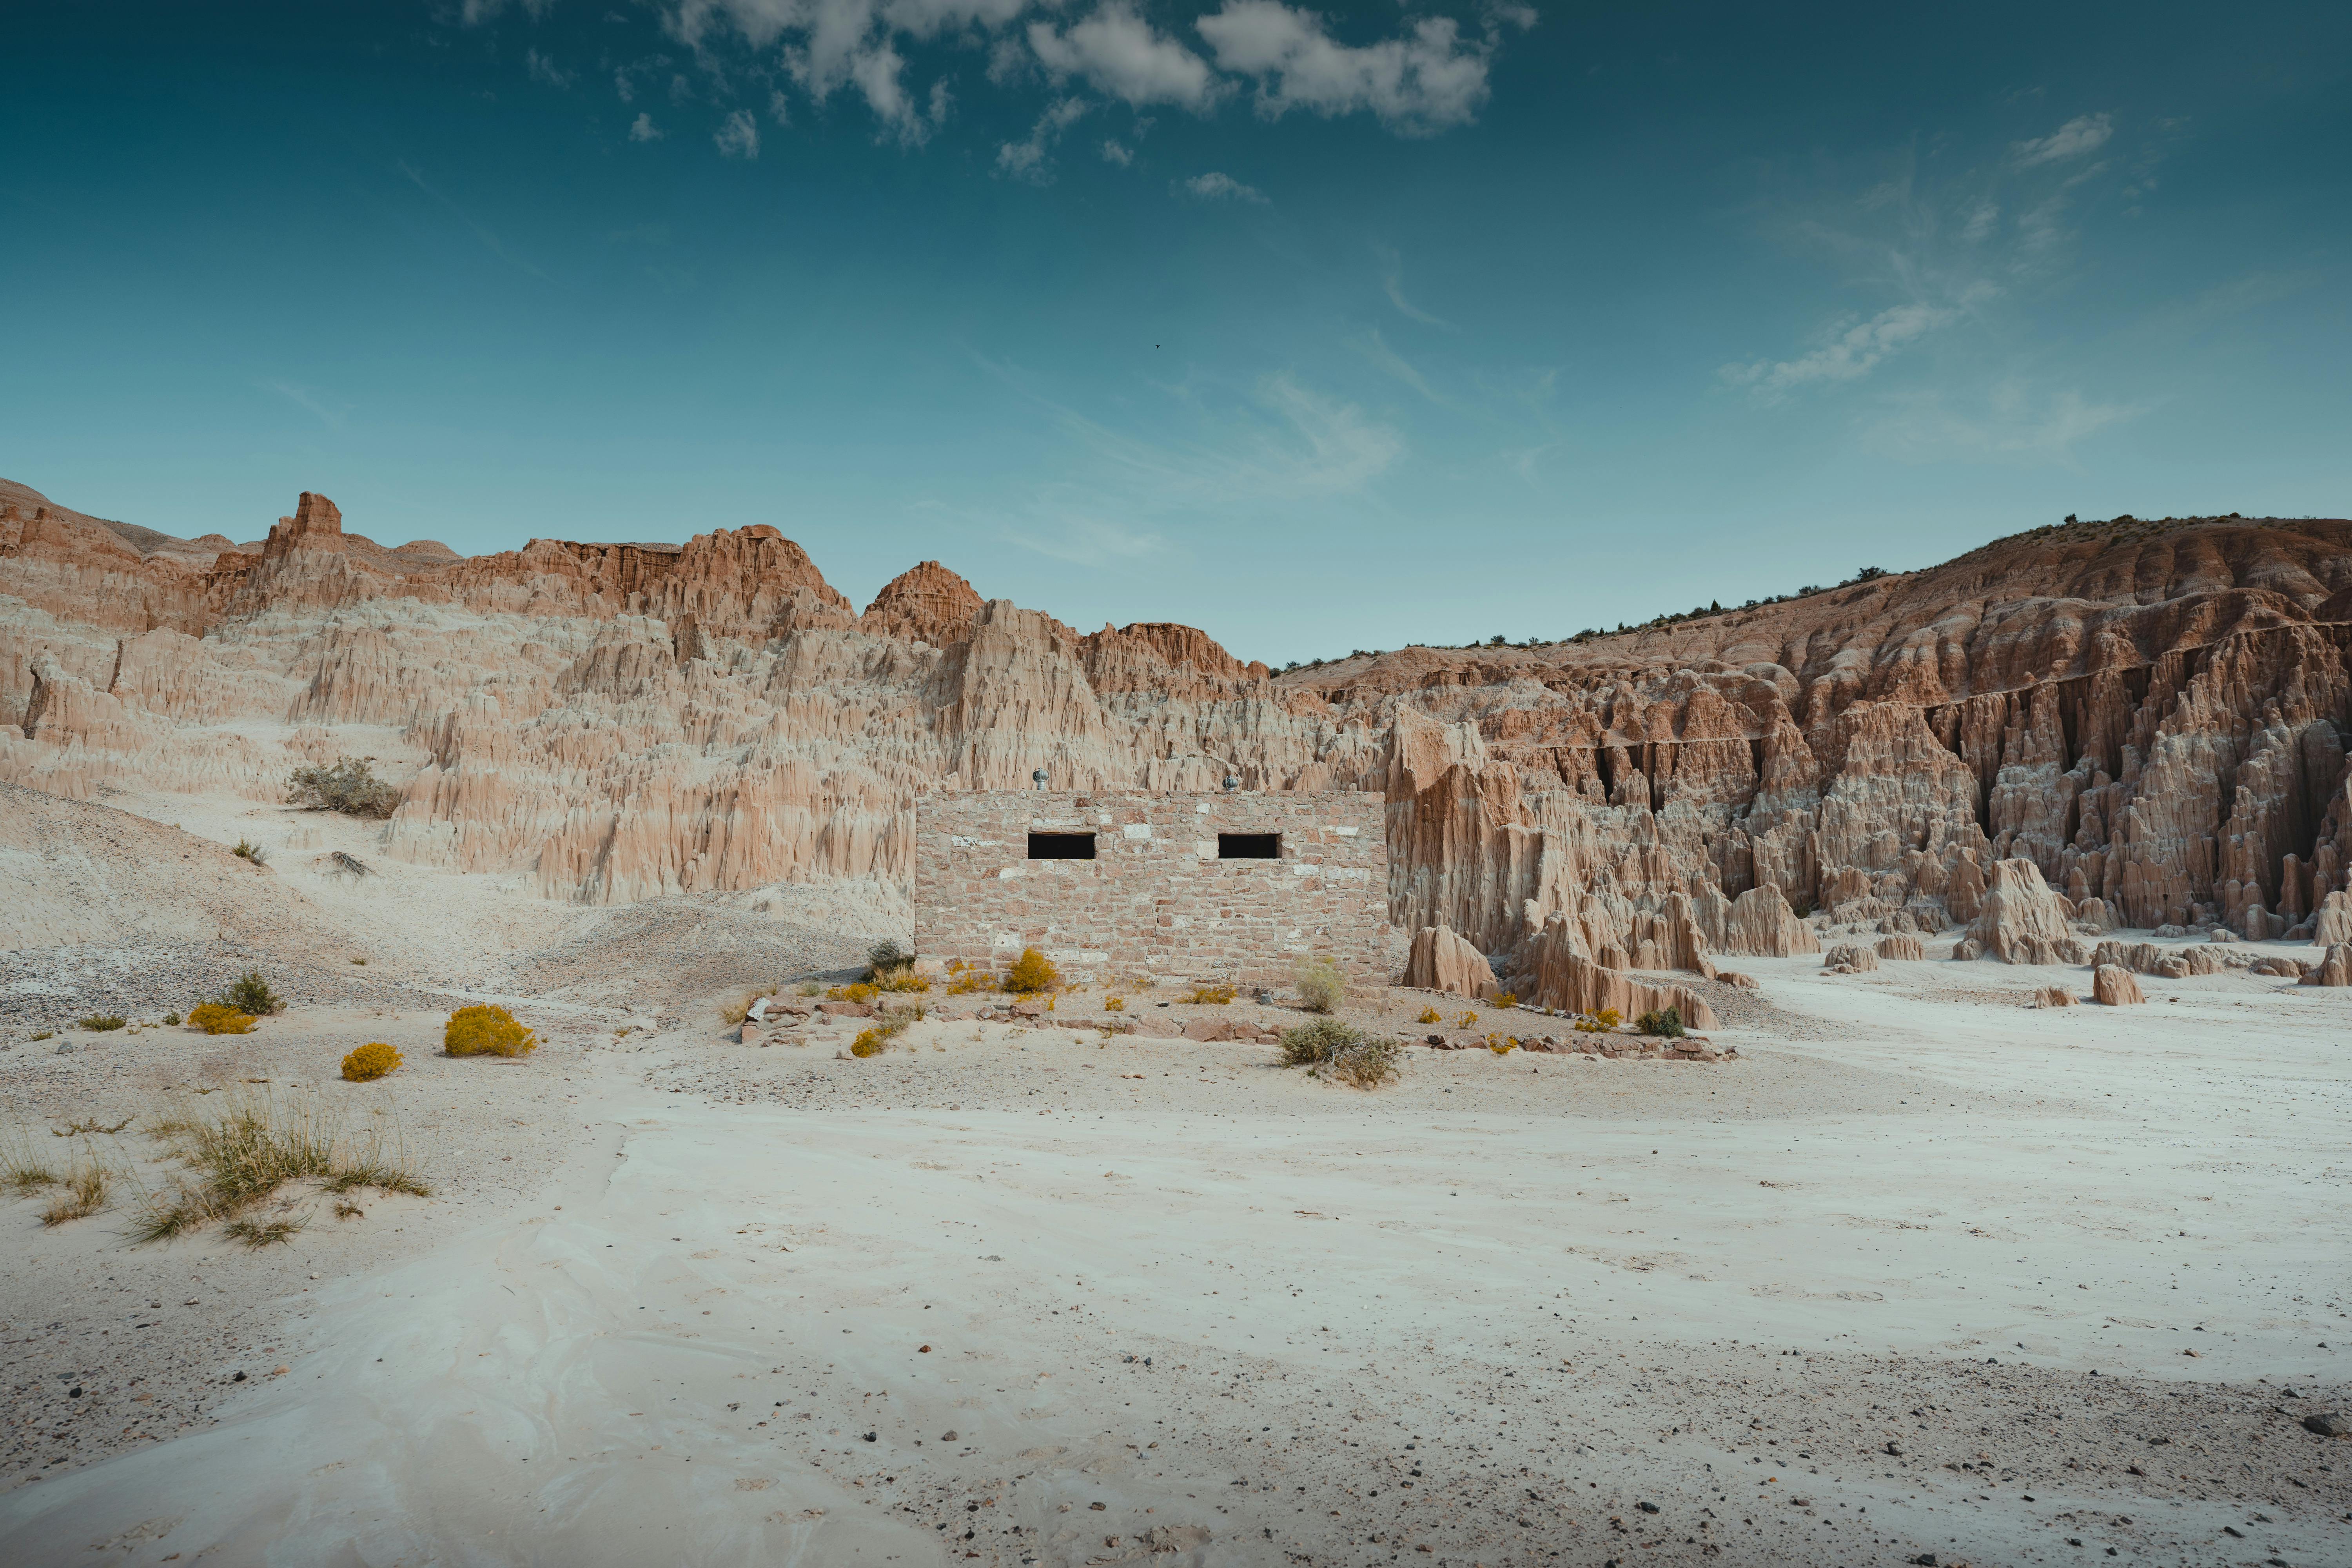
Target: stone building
{"points": [[1233, 886]]}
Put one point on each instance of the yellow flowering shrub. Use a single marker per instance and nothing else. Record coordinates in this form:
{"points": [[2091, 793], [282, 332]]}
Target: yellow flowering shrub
{"points": [[371, 1061], [486, 1030], [217, 1018]]}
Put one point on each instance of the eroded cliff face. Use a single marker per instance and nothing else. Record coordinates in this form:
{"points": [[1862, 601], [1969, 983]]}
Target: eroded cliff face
{"points": [[2153, 714]]}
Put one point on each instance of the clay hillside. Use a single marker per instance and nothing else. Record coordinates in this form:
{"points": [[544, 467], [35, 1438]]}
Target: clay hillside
{"points": [[2151, 714]]}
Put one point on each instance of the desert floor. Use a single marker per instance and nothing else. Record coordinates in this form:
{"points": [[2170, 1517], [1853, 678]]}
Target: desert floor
{"points": [[1923, 1271]]}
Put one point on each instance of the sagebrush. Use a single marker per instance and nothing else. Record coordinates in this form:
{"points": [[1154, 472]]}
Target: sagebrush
{"points": [[1329, 1049], [250, 993], [349, 786]]}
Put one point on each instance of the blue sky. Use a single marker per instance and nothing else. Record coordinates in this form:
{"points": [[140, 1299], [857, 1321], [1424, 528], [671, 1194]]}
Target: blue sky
{"points": [[1318, 329]]}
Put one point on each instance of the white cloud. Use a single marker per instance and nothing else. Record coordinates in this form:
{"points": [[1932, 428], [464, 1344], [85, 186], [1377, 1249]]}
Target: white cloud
{"points": [[1852, 352], [2084, 133], [643, 129], [2012, 423], [739, 135], [1419, 83], [1113, 152], [1119, 53], [1026, 159], [1981, 218], [1214, 186], [541, 69]]}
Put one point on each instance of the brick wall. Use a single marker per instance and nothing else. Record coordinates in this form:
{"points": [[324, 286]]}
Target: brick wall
{"points": [[1156, 900]]}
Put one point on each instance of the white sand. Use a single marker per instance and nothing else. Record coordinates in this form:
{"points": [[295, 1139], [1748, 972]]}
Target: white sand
{"points": [[1571, 1286]]}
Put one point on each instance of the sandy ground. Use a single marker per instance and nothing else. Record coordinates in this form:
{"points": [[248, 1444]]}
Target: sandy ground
{"points": [[1954, 1276]]}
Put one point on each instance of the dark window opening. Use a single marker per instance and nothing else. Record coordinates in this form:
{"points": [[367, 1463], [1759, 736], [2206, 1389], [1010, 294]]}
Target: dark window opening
{"points": [[1249, 845], [1061, 846]]}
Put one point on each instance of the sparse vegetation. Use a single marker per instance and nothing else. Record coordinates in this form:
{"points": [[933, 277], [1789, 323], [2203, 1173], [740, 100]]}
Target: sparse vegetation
{"points": [[900, 981], [350, 787], [1503, 999], [1210, 995], [172, 1019], [220, 1019], [486, 1030], [22, 1169], [1502, 1045], [886, 957], [246, 849], [46, 1035], [856, 990], [1666, 1021], [964, 982], [251, 995], [101, 1023], [1321, 983], [1429, 1015], [1467, 1021], [258, 1233], [887, 1025], [1328, 1048], [84, 1194], [735, 1012], [1032, 973], [241, 1153], [1601, 1022], [811, 988], [1114, 1003], [372, 1061]]}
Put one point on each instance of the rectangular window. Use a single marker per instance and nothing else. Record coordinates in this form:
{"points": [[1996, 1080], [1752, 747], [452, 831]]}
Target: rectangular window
{"points": [[1249, 845], [1061, 846]]}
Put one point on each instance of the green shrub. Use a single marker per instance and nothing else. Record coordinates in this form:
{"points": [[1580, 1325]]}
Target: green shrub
{"points": [[349, 787], [248, 850], [486, 1030], [172, 1019], [887, 956], [1032, 973], [1320, 984], [1666, 1021], [100, 1023], [251, 994]]}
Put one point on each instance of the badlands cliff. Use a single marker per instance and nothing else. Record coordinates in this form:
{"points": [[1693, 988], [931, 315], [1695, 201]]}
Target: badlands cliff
{"points": [[2152, 713]]}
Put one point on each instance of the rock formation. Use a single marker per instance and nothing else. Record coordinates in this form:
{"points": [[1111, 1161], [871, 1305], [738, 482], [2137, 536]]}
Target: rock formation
{"points": [[2150, 716], [2334, 969], [1853, 958], [1902, 946], [2114, 987], [1440, 960]]}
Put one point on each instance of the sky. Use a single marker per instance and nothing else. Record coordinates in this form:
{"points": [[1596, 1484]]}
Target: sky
{"points": [[1320, 329]]}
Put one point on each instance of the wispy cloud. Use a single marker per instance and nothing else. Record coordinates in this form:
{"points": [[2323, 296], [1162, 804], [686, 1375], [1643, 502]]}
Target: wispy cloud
{"points": [[1854, 350], [2013, 423], [1113, 152], [643, 129], [1392, 284], [2084, 133], [1375, 348], [1027, 160], [1087, 541], [490, 241], [330, 414], [540, 69], [1214, 187]]}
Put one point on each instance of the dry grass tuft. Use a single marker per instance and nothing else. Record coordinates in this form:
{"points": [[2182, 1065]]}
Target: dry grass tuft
{"points": [[485, 1029], [258, 1233], [1321, 983], [85, 1194], [101, 1023], [241, 1153]]}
